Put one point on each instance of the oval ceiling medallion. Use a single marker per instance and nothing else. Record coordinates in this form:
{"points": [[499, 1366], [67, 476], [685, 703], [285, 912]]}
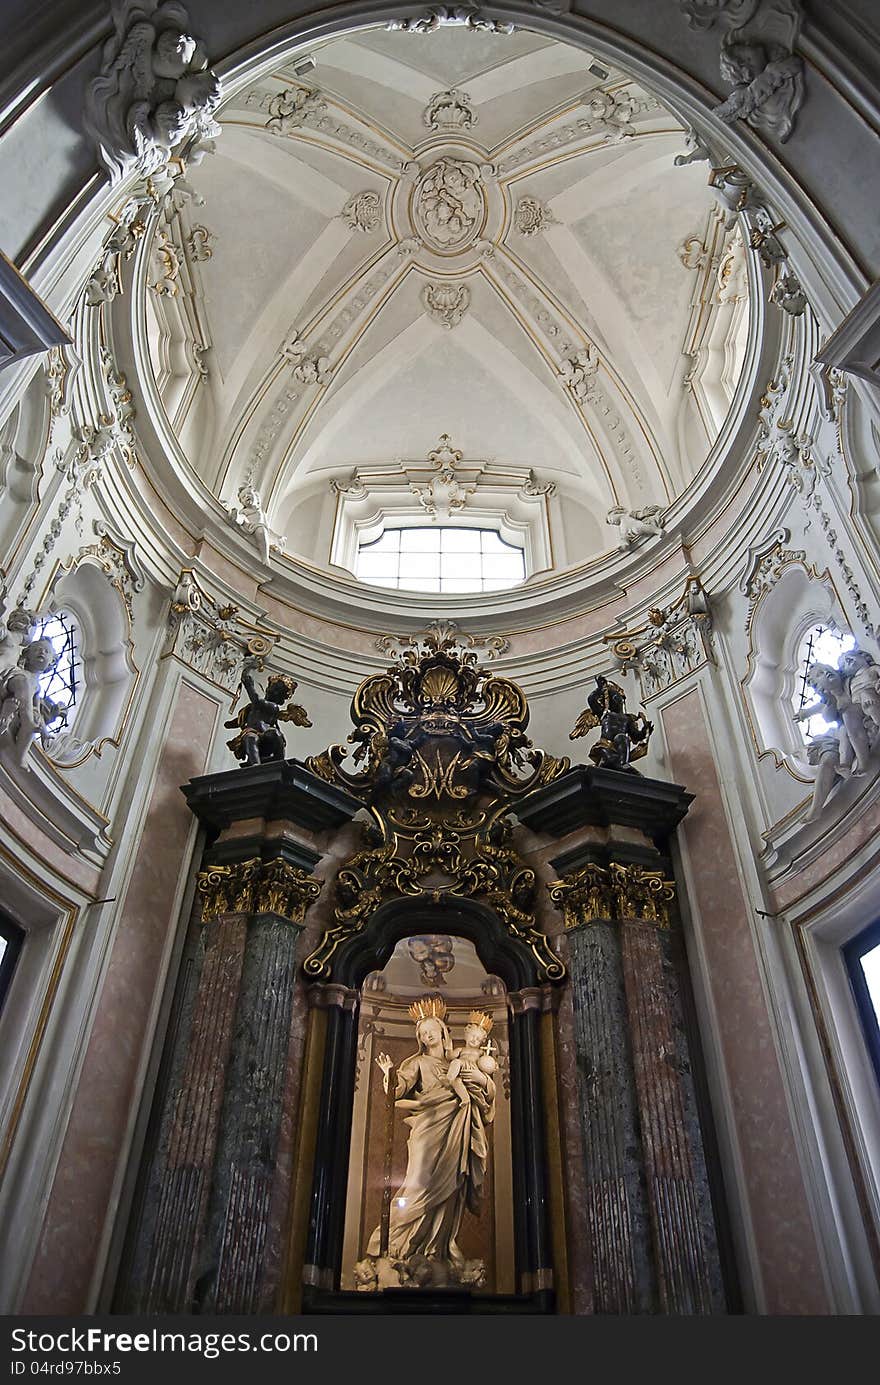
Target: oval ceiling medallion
{"points": [[449, 205]]}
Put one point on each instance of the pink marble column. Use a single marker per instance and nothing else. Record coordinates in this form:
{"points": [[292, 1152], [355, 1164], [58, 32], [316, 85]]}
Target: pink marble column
{"points": [[82, 1196], [780, 1219]]}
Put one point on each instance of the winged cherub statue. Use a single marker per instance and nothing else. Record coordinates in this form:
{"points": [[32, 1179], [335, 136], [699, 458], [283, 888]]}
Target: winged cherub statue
{"points": [[259, 737], [623, 735], [155, 90], [636, 524]]}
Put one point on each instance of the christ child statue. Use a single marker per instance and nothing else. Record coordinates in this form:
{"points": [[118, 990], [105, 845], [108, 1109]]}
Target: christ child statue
{"points": [[472, 1064]]}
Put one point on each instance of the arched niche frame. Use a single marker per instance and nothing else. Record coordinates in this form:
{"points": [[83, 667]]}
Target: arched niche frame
{"points": [[502, 955], [97, 590], [792, 596]]}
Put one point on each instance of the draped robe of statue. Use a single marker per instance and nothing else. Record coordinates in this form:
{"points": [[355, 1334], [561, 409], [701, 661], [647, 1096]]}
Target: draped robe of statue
{"points": [[447, 1157]]}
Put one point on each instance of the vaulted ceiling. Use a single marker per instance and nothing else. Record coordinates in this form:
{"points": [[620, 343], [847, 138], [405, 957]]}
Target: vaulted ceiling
{"points": [[473, 234]]}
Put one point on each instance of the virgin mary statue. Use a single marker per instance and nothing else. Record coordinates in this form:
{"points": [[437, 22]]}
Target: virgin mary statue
{"points": [[448, 1114]]}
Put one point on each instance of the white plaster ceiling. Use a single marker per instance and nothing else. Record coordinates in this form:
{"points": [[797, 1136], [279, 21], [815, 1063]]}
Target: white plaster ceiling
{"points": [[603, 276]]}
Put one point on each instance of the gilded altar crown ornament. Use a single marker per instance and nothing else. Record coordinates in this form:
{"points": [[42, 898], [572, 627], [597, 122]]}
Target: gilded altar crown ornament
{"points": [[429, 1007], [480, 1018], [439, 757]]}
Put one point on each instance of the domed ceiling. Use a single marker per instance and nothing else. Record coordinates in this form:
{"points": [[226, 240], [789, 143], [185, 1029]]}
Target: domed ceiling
{"points": [[465, 234]]}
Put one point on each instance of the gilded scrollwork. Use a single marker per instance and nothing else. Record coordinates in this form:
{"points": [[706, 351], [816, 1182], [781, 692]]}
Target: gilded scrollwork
{"points": [[257, 887], [614, 892], [440, 757]]}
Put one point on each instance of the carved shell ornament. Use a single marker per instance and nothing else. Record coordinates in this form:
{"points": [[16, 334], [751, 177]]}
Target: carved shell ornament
{"points": [[449, 204]]}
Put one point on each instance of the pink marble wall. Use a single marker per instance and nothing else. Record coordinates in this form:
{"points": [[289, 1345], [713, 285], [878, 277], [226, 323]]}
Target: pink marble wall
{"points": [[806, 878], [781, 1224], [81, 1197], [68, 866]]}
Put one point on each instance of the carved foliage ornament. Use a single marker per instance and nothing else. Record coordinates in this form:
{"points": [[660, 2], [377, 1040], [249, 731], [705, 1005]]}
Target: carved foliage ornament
{"points": [[446, 303], [291, 108], [155, 94], [614, 892], [448, 16], [363, 212], [256, 887], [449, 110], [440, 756], [208, 636]]}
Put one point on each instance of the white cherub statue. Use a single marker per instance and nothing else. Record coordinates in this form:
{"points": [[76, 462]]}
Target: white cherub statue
{"points": [[636, 524], [863, 672], [251, 517], [24, 712]]}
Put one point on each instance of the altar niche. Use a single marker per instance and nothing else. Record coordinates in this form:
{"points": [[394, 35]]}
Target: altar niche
{"points": [[429, 1201]]}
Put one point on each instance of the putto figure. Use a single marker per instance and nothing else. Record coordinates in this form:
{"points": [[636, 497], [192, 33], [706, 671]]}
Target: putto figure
{"points": [[155, 91], [24, 712], [250, 516], [636, 524], [849, 703], [623, 735], [260, 738]]}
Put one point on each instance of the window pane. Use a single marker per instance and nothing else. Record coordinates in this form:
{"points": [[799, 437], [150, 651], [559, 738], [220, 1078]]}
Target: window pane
{"points": [[871, 967], [493, 543], [377, 565], [420, 540], [419, 565], [507, 565], [460, 540], [462, 584], [420, 584], [824, 646], [500, 584], [461, 565]]}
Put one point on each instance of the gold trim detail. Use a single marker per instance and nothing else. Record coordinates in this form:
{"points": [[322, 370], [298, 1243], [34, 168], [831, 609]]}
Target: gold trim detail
{"points": [[257, 887], [614, 892], [440, 757]]}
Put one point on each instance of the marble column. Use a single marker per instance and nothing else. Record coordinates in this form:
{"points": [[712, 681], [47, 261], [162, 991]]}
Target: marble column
{"points": [[202, 1239], [650, 1217]]}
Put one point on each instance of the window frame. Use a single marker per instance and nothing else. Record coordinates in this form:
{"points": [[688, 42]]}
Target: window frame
{"points": [[853, 952], [479, 589], [13, 935]]}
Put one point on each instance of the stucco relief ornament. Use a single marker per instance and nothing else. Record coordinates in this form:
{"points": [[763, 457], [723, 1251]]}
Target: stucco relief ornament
{"points": [[612, 113], [757, 59], [363, 212], [449, 203], [446, 303], [449, 110], [155, 95], [451, 16], [250, 516], [531, 216], [635, 525], [291, 108], [578, 372], [788, 295]]}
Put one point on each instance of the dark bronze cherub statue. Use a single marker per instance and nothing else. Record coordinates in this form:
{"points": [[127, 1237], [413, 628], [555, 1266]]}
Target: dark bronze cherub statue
{"points": [[260, 738], [623, 735]]}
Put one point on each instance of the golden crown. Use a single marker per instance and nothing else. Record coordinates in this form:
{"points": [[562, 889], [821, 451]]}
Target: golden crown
{"points": [[429, 1007], [482, 1019]]}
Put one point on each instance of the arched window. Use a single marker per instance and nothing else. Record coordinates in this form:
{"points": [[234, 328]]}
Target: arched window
{"points": [[821, 644], [61, 683], [440, 559]]}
